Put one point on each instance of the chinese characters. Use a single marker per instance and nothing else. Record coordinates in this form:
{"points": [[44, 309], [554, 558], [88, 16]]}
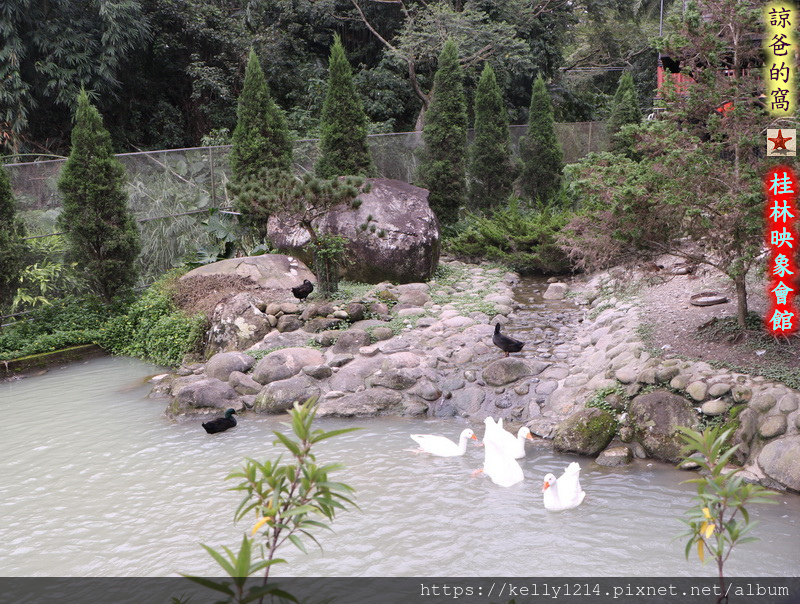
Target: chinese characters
{"points": [[780, 47], [781, 187]]}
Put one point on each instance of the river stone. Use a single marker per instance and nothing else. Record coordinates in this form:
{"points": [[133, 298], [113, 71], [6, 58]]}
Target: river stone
{"points": [[506, 370], [697, 390], [679, 382], [414, 297], [318, 372], [656, 417], [271, 271], [665, 373], [773, 426], [719, 389], [427, 390], [236, 324], [715, 407], [586, 432], [289, 323], [351, 377], [221, 365], [468, 400], [407, 252], [350, 341], [555, 291], [778, 460], [788, 403], [280, 396], [763, 402], [368, 403], [744, 434], [340, 360], [243, 383], [396, 379], [285, 363], [204, 393], [615, 456], [319, 324], [626, 375], [382, 333], [741, 394]]}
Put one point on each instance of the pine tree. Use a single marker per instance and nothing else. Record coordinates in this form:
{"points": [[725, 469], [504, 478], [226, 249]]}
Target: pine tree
{"points": [[442, 170], [491, 173], [12, 247], [539, 150], [100, 229], [343, 128], [624, 110], [261, 138]]}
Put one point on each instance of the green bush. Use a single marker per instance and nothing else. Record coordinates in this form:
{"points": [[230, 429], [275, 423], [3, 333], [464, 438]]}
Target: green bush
{"points": [[153, 329], [70, 321], [523, 239]]}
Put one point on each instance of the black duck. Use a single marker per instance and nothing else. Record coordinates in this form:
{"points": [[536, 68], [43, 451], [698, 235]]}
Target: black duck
{"points": [[505, 343], [221, 423], [303, 290]]}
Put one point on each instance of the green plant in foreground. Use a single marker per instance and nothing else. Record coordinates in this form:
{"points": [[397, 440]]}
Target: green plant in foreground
{"points": [[719, 521], [287, 501]]}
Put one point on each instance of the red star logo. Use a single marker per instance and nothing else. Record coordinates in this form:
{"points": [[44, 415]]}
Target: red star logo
{"points": [[780, 141]]}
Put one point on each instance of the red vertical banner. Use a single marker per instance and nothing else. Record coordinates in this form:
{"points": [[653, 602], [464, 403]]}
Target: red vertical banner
{"points": [[781, 235]]}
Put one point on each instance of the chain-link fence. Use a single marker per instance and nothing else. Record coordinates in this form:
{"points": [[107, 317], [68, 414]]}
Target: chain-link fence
{"points": [[172, 191]]}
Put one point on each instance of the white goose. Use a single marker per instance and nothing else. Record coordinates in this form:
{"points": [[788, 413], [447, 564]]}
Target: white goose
{"points": [[444, 447], [498, 463], [564, 493], [514, 445]]}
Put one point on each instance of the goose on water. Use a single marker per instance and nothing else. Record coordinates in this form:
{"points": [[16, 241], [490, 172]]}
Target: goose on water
{"points": [[505, 343], [566, 492], [303, 290], [498, 463], [221, 423], [444, 447], [514, 445]]}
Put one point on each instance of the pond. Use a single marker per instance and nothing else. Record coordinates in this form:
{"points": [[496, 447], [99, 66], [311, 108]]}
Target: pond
{"points": [[97, 482]]}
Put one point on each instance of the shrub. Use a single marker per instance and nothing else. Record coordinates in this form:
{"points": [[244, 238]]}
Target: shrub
{"points": [[152, 328], [524, 240], [539, 151], [12, 246]]}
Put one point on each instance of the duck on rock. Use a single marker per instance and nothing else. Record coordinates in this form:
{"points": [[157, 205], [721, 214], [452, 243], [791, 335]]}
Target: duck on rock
{"points": [[221, 423], [303, 290], [505, 343]]}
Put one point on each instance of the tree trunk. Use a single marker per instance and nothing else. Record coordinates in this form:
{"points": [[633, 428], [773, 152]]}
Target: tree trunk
{"points": [[741, 302]]}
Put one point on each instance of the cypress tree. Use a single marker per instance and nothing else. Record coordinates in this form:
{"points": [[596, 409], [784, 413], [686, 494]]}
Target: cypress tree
{"points": [[442, 170], [624, 110], [539, 150], [100, 230], [343, 128], [261, 139], [12, 248], [491, 172]]}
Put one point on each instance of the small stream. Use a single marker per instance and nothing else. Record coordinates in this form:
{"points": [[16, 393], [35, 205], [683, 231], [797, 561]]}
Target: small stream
{"points": [[96, 482]]}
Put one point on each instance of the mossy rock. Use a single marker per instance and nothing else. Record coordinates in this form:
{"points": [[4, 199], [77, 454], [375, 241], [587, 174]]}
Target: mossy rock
{"points": [[587, 432]]}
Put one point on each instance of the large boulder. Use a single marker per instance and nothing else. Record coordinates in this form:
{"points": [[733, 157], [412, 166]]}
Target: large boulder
{"points": [[656, 417], [285, 363], [270, 271], [399, 243], [221, 365], [198, 396], [778, 460], [587, 432], [237, 324]]}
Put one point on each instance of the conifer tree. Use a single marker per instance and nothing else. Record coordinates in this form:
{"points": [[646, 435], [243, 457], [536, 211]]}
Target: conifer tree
{"points": [[491, 173], [100, 230], [12, 247], [261, 139], [442, 170], [624, 110], [343, 128], [539, 150]]}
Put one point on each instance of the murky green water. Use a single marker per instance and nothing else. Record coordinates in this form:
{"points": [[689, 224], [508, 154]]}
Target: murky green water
{"points": [[96, 482]]}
